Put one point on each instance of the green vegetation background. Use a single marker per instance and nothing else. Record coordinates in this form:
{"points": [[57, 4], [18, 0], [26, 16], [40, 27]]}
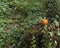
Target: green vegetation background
{"points": [[18, 15]]}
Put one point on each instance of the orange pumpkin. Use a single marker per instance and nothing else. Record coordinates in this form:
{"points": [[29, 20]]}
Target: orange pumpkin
{"points": [[44, 21]]}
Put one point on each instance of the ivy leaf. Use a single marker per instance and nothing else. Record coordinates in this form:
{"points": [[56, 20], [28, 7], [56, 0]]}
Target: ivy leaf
{"points": [[56, 23]]}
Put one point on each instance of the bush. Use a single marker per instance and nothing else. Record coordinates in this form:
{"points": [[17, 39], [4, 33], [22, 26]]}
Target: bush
{"points": [[20, 24]]}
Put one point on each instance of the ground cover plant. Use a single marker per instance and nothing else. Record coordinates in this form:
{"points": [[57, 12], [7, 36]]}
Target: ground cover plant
{"points": [[29, 23]]}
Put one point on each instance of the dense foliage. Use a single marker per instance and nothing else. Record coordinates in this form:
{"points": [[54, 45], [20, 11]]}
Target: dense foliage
{"points": [[20, 24]]}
